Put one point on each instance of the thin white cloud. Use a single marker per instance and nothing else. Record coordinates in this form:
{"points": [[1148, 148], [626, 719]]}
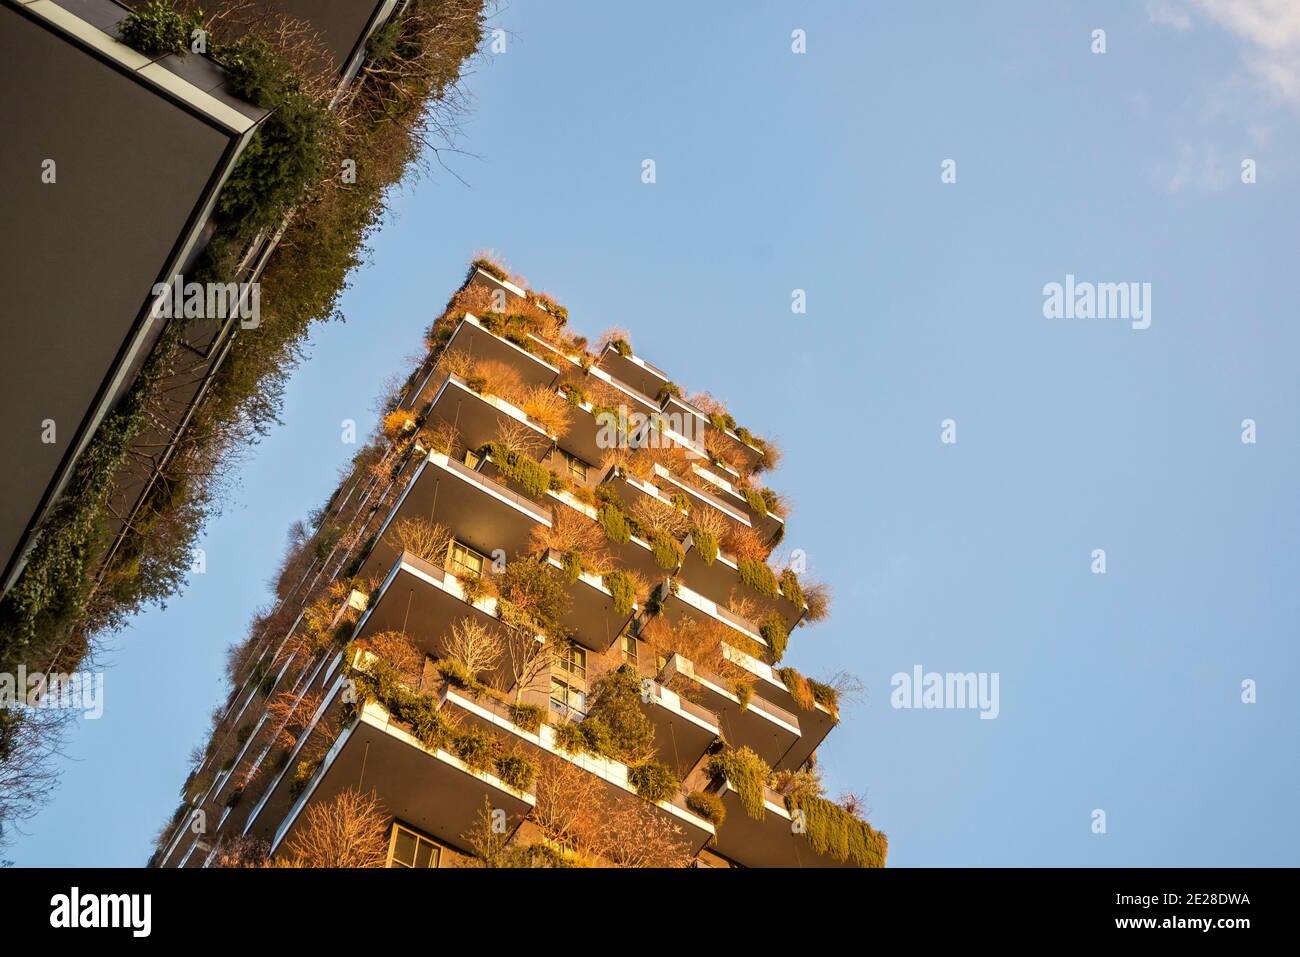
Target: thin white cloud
{"points": [[1268, 30], [1248, 106], [1169, 14]]}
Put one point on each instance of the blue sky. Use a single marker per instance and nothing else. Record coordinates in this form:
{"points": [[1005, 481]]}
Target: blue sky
{"points": [[821, 171]]}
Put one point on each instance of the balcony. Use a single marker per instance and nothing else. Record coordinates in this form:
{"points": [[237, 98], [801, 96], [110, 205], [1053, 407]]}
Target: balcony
{"points": [[719, 581], [429, 789], [684, 730], [814, 723], [423, 601], [480, 511], [473, 339], [491, 715], [670, 483], [143, 147], [738, 451], [634, 555], [770, 842], [478, 417], [770, 731], [592, 620], [766, 523], [634, 372], [681, 603]]}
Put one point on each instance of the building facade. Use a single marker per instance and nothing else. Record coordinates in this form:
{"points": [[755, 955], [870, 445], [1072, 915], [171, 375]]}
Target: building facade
{"points": [[116, 161], [539, 623]]}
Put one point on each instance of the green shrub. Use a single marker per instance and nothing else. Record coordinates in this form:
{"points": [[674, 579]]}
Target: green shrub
{"points": [[706, 545], [744, 693], [157, 28], [573, 393], [530, 583], [614, 522], [457, 674], [570, 739], [825, 695], [708, 806], [619, 584], [475, 587], [572, 566], [288, 153], [667, 551], [755, 501], [533, 477], [528, 717], [773, 631], [616, 726], [669, 390], [622, 347], [516, 771], [834, 831], [758, 576], [478, 749], [491, 268], [748, 774], [791, 588], [302, 775], [653, 781]]}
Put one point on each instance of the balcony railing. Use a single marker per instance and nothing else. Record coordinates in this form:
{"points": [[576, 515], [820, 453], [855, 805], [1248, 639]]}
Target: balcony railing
{"points": [[756, 701], [498, 488]]}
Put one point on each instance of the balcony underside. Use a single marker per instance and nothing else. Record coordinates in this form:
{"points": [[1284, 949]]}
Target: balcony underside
{"points": [[592, 620], [739, 453], [424, 602], [719, 581], [770, 842], [432, 791], [479, 511], [632, 372], [487, 715], [682, 733], [749, 727], [473, 340], [477, 419], [678, 609]]}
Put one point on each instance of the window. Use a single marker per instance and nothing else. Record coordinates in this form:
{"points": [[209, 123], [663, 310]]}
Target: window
{"points": [[567, 700], [573, 659], [463, 560], [407, 848], [629, 649], [471, 458], [577, 468]]}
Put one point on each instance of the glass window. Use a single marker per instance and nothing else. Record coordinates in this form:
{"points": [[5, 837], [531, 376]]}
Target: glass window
{"points": [[573, 659], [471, 458], [577, 468], [567, 700], [629, 649], [409, 848], [463, 560]]}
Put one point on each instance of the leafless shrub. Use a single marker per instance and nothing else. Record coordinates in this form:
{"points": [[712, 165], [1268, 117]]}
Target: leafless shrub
{"points": [[421, 537], [476, 647], [351, 830]]}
